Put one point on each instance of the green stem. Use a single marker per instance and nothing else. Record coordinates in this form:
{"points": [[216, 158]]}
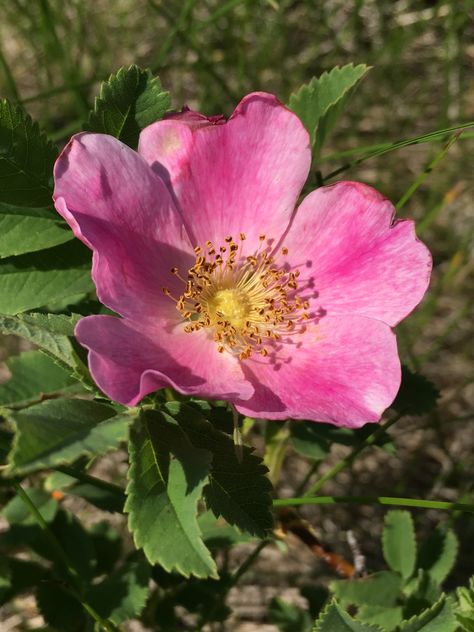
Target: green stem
{"points": [[426, 171], [374, 500], [91, 480], [248, 562], [347, 460], [62, 558], [397, 145]]}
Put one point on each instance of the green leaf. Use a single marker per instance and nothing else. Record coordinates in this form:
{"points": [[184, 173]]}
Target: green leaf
{"points": [[320, 102], [75, 542], [30, 229], [23, 575], [417, 395], [379, 589], [465, 606], [334, 619], [438, 618], [386, 618], [128, 102], [61, 430], [107, 543], [217, 533], [399, 543], [59, 608], [33, 280], [438, 554], [17, 513], [26, 159], [33, 375], [238, 490], [104, 499], [288, 617], [122, 594], [162, 496], [52, 333], [306, 440]]}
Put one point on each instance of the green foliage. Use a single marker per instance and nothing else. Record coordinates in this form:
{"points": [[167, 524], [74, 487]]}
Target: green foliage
{"points": [[399, 543], [25, 230], [439, 618], [162, 496], [438, 554], [320, 102], [33, 280], [16, 512], [417, 395], [26, 159], [379, 589], [61, 430], [465, 606], [33, 375], [122, 594], [128, 102], [334, 619], [288, 617], [59, 608], [52, 333], [238, 490]]}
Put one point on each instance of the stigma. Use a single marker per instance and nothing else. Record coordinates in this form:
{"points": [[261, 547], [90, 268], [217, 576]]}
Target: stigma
{"points": [[247, 303]]}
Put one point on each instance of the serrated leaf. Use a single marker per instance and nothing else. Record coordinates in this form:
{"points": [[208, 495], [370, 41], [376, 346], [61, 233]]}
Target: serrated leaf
{"points": [[30, 229], [59, 431], [320, 102], [288, 617], [386, 618], [33, 280], [33, 375], [438, 554], [334, 619], [26, 159], [129, 101], [17, 513], [217, 533], [399, 543], [162, 496], [417, 394], [238, 490], [379, 589], [52, 333], [122, 594], [438, 618]]}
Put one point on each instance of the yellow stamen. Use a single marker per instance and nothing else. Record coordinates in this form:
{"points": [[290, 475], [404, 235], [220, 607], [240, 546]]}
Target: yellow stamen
{"points": [[249, 302]]}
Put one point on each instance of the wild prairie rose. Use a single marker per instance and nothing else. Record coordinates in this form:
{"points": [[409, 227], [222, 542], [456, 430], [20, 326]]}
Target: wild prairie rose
{"points": [[224, 290]]}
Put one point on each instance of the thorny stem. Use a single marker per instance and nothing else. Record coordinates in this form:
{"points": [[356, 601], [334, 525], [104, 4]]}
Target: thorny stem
{"points": [[62, 557]]}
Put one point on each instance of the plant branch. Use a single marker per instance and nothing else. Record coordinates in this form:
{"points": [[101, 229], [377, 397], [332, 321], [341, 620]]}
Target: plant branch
{"points": [[374, 500]]}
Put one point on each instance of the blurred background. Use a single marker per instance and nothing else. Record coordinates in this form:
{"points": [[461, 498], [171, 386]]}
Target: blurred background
{"points": [[209, 53]]}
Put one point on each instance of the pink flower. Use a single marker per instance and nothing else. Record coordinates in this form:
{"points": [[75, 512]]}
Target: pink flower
{"points": [[225, 291]]}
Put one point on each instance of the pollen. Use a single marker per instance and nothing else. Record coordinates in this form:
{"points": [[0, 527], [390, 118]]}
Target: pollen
{"points": [[246, 303]]}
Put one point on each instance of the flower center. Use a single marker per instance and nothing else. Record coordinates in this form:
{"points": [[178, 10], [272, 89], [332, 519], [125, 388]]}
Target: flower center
{"points": [[247, 302]]}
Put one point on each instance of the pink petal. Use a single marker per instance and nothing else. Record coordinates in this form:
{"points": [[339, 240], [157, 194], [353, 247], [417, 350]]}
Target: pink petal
{"points": [[355, 257], [344, 370], [127, 363], [118, 207], [241, 176]]}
